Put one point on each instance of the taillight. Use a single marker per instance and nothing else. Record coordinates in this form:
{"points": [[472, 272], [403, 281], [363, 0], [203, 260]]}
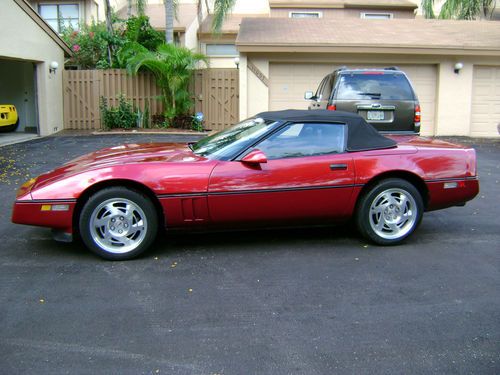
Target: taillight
{"points": [[331, 107], [416, 118]]}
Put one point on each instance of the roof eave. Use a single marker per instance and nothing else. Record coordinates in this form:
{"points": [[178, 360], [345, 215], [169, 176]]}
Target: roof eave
{"points": [[232, 35], [44, 26], [382, 49], [381, 7]]}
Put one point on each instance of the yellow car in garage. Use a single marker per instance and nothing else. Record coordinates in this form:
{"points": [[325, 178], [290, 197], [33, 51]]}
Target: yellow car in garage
{"points": [[9, 120]]}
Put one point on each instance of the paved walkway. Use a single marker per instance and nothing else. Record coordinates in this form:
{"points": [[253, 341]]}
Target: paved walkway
{"points": [[18, 137], [15, 137]]}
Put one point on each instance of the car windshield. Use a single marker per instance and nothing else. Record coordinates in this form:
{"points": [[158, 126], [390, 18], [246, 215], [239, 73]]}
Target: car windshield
{"points": [[228, 142], [374, 86]]}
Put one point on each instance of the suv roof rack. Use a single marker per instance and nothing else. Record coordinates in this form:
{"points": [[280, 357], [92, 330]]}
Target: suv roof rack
{"points": [[391, 68]]}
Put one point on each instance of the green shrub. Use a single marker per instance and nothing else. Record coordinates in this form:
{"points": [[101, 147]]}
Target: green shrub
{"points": [[122, 116]]}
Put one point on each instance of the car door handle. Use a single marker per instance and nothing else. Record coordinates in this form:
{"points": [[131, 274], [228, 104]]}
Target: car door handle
{"points": [[338, 167]]}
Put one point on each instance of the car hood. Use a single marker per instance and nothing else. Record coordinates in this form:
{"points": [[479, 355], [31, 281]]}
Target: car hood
{"points": [[135, 153], [122, 155]]}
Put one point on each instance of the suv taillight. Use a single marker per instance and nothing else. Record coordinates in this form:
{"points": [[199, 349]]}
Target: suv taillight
{"points": [[331, 107], [416, 118]]}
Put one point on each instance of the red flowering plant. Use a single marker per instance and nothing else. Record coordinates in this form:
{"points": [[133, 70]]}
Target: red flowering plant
{"points": [[90, 46], [94, 47]]}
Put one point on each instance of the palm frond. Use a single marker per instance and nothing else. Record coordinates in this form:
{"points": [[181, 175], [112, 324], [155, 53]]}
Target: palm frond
{"points": [[141, 7], [467, 9], [428, 8], [222, 8]]}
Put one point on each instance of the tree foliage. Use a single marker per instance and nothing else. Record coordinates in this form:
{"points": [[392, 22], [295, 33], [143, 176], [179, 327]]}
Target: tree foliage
{"points": [[138, 29], [172, 67], [460, 9], [92, 43], [222, 8]]}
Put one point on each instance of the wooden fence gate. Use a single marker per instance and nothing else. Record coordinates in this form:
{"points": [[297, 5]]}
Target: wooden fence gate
{"points": [[215, 94]]}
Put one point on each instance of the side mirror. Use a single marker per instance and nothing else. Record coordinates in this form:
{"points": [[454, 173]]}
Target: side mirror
{"points": [[255, 157], [308, 95]]}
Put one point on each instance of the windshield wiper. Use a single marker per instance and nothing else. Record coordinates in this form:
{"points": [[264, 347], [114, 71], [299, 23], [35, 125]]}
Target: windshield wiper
{"points": [[190, 145], [370, 93]]}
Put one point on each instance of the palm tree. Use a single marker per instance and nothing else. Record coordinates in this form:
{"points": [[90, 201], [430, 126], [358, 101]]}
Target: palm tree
{"points": [[221, 9], [140, 6], [109, 27], [172, 67], [460, 9], [170, 6]]}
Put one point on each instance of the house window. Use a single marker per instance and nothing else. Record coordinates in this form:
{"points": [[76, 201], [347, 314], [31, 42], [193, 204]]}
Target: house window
{"points": [[377, 16], [60, 16], [221, 50], [305, 15]]}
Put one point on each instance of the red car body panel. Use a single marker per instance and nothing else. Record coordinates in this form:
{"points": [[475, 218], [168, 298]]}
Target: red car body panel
{"points": [[298, 189], [194, 191]]}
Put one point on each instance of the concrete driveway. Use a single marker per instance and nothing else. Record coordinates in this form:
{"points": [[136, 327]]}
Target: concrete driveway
{"points": [[308, 301], [15, 137]]}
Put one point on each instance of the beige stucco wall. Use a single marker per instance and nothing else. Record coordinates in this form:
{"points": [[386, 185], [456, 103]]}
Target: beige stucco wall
{"points": [[453, 91], [191, 36], [22, 39], [248, 7], [454, 96]]}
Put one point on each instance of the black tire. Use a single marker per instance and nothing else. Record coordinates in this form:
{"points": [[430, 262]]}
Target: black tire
{"points": [[10, 128], [118, 223], [389, 212]]}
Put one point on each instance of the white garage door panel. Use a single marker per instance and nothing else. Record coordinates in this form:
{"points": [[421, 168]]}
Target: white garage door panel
{"points": [[424, 79], [290, 81], [485, 117]]}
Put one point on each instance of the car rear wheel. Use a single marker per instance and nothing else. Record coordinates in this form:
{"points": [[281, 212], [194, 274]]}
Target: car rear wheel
{"points": [[389, 212], [118, 223]]}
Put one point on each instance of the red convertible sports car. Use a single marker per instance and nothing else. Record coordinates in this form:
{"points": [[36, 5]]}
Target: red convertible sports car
{"points": [[278, 168]]}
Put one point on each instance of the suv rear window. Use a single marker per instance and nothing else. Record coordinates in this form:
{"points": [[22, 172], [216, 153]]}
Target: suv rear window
{"points": [[358, 86]]}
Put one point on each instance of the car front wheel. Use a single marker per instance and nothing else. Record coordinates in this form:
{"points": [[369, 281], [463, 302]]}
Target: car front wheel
{"points": [[389, 212], [118, 223]]}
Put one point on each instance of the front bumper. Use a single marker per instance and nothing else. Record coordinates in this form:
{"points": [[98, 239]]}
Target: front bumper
{"points": [[54, 214]]}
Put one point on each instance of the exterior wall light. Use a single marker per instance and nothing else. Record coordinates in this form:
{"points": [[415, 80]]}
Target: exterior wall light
{"points": [[53, 67], [237, 62], [458, 67]]}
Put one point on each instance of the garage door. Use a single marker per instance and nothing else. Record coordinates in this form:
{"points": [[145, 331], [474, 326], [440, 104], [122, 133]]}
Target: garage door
{"points": [[485, 118], [288, 82]]}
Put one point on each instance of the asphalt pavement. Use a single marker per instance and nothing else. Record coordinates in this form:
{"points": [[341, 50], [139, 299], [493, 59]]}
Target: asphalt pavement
{"points": [[302, 301]]}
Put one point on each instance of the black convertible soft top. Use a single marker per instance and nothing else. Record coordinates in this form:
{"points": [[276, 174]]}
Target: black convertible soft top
{"points": [[360, 134]]}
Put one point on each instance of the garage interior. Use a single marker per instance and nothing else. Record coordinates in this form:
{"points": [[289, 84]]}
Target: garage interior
{"points": [[18, 87]]}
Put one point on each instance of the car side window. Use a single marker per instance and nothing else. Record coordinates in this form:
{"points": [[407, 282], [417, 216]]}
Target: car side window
{"points": [[308, 139], [324, 88]]}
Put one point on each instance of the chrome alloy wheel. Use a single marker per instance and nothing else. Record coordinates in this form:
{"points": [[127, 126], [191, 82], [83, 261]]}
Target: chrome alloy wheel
{"points": [[118, 225], [393, 213]]}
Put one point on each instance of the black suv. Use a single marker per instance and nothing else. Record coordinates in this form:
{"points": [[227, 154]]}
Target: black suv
{"points": [[383, 97]]}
